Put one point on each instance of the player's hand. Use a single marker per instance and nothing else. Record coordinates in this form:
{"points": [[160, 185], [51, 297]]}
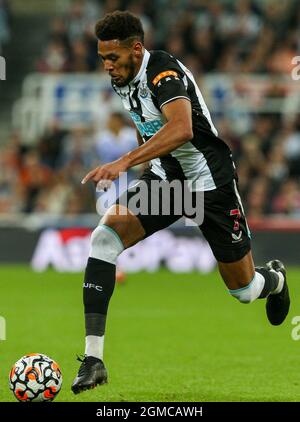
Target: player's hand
{"points": [[103, 176]]}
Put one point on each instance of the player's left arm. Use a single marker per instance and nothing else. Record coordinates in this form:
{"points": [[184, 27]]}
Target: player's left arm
{"points": [[177, 130]]}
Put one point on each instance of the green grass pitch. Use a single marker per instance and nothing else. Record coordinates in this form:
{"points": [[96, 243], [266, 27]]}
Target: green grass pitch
{"points": [[170, 337]]}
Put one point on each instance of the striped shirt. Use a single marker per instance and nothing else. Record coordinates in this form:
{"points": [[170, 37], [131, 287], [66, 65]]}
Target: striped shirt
{"points": [[205, 160]]}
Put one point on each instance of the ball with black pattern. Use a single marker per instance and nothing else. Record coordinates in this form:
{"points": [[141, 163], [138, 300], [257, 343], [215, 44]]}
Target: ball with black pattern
{"points": [[35, 377]]}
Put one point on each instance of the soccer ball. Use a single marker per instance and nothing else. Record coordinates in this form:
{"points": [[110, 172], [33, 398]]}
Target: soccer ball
{"points": [[35, 377]]}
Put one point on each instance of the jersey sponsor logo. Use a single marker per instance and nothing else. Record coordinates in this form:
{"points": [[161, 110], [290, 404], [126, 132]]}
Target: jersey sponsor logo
{"points": [[236, 237], [163, 75], [149, 128], [146, 128]]}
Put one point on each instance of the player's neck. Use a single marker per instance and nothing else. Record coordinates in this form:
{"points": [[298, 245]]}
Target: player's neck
{"points": [[140, 65]]}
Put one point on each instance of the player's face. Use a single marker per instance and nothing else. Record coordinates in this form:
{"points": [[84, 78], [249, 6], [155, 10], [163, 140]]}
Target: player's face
{"points": [[121, 62]]}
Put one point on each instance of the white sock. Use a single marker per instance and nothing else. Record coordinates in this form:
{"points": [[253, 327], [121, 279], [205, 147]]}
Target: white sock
{"points": [[250, 292], [280, 283], [94, 346]]}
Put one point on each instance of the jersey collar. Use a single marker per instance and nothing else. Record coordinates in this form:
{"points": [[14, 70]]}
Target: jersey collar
{"points": [[142, 68]]}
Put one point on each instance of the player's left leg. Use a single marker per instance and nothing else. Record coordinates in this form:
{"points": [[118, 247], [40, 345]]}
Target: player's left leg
{"points": [[247, 283], [226, 230]]}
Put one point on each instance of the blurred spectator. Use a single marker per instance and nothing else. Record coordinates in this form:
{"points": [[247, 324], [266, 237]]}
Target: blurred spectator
{"points": [[10, 162], [81, 59], [276, 165], [256, 198], [251, 158], [111, 143], [34, 177], [51, 144], [288, 199], [116, 140], [291, 147], [138, 7], [280, 60], [55, 58], [59, 32], [53, 199], [81, 16], [77, 151]]}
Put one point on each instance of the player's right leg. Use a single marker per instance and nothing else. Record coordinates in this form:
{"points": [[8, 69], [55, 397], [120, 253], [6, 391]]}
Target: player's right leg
{"points": [[118, 230]]}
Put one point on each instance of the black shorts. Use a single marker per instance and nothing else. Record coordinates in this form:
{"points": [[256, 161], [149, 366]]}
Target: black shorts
{"points": [[223, 222]]}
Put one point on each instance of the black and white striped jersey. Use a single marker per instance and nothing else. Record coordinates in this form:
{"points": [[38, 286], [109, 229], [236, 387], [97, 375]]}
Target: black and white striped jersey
{"points": [[205, 160]]}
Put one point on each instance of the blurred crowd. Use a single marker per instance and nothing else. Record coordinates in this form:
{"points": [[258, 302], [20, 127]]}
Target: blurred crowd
{"points": [[208, 36], [268, 165], [45, 178]]}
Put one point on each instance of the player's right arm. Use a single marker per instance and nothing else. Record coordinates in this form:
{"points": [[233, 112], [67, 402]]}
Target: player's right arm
{"points": [[140, 140]]}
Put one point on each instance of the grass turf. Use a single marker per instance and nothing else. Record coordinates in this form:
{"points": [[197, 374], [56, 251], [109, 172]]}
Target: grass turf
{"points": [[170, 337]]}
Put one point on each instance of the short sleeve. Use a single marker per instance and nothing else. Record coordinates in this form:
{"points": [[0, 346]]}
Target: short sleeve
{"points": [[165, 79]]}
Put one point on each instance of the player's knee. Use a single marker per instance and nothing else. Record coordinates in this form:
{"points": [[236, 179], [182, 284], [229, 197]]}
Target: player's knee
{"points": [[250, 292], [125, 223], [105, 244]]}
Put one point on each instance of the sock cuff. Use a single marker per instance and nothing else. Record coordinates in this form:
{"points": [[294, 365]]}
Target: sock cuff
{"points": [[113, 232], [106, 244], [100, 264], [250, 292]]}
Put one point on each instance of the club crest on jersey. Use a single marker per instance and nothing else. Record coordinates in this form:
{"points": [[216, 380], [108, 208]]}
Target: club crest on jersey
{"points": [[143, 91]]}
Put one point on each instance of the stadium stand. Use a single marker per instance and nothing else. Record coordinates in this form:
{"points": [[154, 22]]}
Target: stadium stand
{"points": [[222, 42]]}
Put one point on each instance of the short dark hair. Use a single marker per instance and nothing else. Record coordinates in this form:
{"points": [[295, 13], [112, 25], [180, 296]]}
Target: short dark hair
{"points": [[120, 26]]}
